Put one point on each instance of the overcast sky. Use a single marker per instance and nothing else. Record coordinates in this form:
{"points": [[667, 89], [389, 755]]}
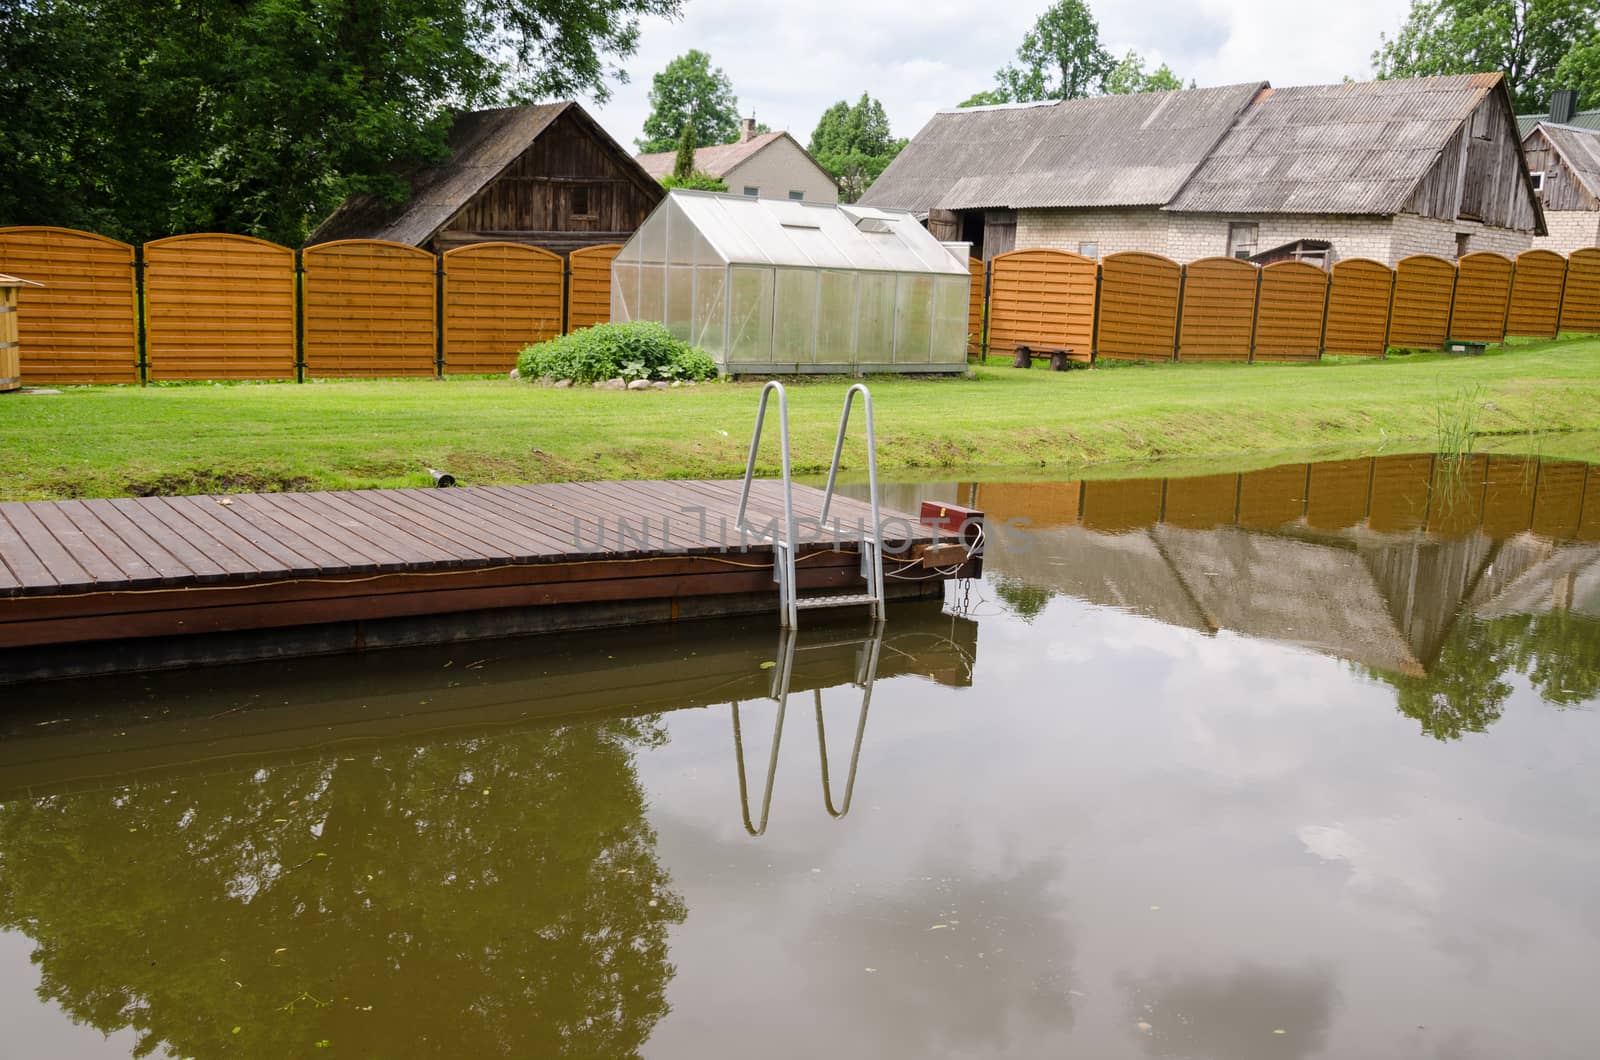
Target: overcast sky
{"points": [[789, 61]]}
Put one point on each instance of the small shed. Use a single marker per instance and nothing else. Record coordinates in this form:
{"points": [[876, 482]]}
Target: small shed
{"points": [[10, 345], [769, 286], [545, 174]]}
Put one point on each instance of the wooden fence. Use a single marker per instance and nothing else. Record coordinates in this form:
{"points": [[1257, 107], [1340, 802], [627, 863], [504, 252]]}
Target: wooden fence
{"points": [[213, 306], [210, 306], [1144, 307]]}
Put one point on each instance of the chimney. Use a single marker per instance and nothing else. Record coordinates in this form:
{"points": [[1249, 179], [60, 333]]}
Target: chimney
{"points": [[747, 128], [1563, 105]]}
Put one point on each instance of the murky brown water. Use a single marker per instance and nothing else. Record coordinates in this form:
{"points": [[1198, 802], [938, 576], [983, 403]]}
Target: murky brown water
{"points": [[1300, 763]]}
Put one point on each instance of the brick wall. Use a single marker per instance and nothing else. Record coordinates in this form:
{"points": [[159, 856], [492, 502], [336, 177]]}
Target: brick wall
{"points": [[1569, 230], [1428, 235], [1187, 236], [1141, 228]]}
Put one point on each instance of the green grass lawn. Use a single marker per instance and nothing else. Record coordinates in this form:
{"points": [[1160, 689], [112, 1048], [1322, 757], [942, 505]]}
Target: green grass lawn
{"points": [[114, 441]]}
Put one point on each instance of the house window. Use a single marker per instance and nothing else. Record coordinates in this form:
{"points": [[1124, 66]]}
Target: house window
{"points": [[580, 201], [752, 192], [1089, 250], [1538, 180], [798, 196], [1242, 237], [1463, 239]]}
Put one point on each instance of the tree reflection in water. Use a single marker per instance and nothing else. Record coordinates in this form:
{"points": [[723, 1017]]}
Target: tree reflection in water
{"points": [[491, 896]]}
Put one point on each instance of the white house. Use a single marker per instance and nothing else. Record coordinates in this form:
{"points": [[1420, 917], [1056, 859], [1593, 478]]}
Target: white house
{"points": [[761, 165]]}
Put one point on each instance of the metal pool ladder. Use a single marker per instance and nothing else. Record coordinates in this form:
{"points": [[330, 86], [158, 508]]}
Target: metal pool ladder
{"points": [[785, 541]]}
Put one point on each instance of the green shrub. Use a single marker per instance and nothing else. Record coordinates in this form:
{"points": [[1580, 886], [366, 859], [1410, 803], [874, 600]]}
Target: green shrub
{"points": [[696, 181], [639, 349]]}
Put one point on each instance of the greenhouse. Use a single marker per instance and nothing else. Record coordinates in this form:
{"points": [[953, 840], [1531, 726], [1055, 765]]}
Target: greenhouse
{"points": [[771, 286]]}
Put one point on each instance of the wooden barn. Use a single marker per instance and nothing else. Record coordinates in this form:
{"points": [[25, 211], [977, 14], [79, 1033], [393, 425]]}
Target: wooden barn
{"points": [[545, 174], [1565, 163], [1379, 169]]}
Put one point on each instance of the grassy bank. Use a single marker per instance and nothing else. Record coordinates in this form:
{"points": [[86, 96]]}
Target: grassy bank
{"points": [[112, 441]]}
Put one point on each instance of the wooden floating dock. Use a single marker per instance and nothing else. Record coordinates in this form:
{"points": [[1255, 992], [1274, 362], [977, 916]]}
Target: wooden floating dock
{"points": [[183, 580]]}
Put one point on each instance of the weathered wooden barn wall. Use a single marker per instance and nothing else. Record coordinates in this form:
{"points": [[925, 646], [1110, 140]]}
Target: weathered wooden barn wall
{"points": [[1479, 175], [566, 191], [1580, 299], [1042, 298], [219, 307], [1562, 189], [369, 309], [498, 298], [1138, 307], [1219, 310], [1536, 294], [1359, 291], [82, 325]]}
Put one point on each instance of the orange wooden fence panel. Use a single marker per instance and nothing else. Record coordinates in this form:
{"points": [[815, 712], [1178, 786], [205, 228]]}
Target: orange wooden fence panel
{"points": [[1138, 308], [1273, 496], [1483, 290], [975, 321], [498, 298], [218, 307], [1294, 296], [83, 325], [1558, 498], [589, 285], [1423, 285], [1580, 302], [1400, 484], [1041, 298], [1536, 294], [1338, 491], [1219, 309], [369, 309], [1358, 308]]}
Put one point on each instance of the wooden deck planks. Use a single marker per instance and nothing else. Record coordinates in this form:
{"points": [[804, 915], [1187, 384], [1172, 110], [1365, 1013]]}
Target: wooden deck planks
{"points": [[251, 539]]}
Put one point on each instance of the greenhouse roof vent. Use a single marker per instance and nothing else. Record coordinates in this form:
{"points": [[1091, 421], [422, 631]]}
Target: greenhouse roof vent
{"points": [[875, 225]]}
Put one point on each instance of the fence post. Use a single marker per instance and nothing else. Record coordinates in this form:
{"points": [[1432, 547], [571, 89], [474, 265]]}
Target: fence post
{"points": [[566, 291], [438, 315], [1094, 329], [1450, 317], [1255, 319], [141, 338], [1327, 299], [1561, 298], [983, 318], [1388, 320], [1177, 329], [299, 316]]}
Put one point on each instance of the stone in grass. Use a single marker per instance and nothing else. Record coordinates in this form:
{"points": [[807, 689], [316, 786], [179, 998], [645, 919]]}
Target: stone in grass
{"points": [[562, 384], [660, 384], [613, 384], [639, 384], [513, 375]]}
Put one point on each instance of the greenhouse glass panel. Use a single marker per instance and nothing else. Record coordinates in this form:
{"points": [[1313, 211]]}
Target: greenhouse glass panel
{"points": [[774, 284], [836, 318], [913, 326], [795, 316], [750, 315], [951, 300], [875, 318], [710, 309]]}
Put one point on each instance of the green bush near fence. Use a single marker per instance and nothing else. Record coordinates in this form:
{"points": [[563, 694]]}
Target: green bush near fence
{"points": [[639, 349]]}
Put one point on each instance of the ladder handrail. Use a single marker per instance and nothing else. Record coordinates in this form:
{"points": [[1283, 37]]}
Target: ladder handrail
{"points": [[783, 551], [867, 676], [875, 576]]}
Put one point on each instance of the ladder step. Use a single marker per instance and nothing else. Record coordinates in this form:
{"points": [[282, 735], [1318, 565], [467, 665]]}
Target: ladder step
{"points": [[838, 600]]}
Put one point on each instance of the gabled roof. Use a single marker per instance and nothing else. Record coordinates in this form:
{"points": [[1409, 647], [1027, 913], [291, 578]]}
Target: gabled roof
{"points": [[1135, 150], [1584, 119], [482, 144], [719, 160], [1355, 148], [1579, 148]]}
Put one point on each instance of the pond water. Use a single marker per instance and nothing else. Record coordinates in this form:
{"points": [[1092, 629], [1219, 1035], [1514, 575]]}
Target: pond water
{"points": [[1297, 763]]}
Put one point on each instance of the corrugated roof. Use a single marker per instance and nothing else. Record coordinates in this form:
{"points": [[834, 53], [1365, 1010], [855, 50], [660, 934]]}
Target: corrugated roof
{"points": [[1357, 148], [715, 160], [1134, 150], [482, 144], [1584, 119], [1579, 148]]}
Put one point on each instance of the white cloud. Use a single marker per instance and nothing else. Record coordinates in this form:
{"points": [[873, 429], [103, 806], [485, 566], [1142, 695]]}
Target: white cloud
{"points": [[788, 62]]}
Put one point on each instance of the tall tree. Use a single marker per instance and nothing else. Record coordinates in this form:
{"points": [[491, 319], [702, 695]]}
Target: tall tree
{"points": [[139, 118], [1061, 57], [1525, 39], [1129, 76], [690, 90], [854, 144], [683, 165], [1580, 69], [987, 98]]}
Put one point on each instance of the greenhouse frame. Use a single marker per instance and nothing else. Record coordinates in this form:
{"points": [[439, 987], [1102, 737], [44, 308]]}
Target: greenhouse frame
{"points": [[773, 286]]}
